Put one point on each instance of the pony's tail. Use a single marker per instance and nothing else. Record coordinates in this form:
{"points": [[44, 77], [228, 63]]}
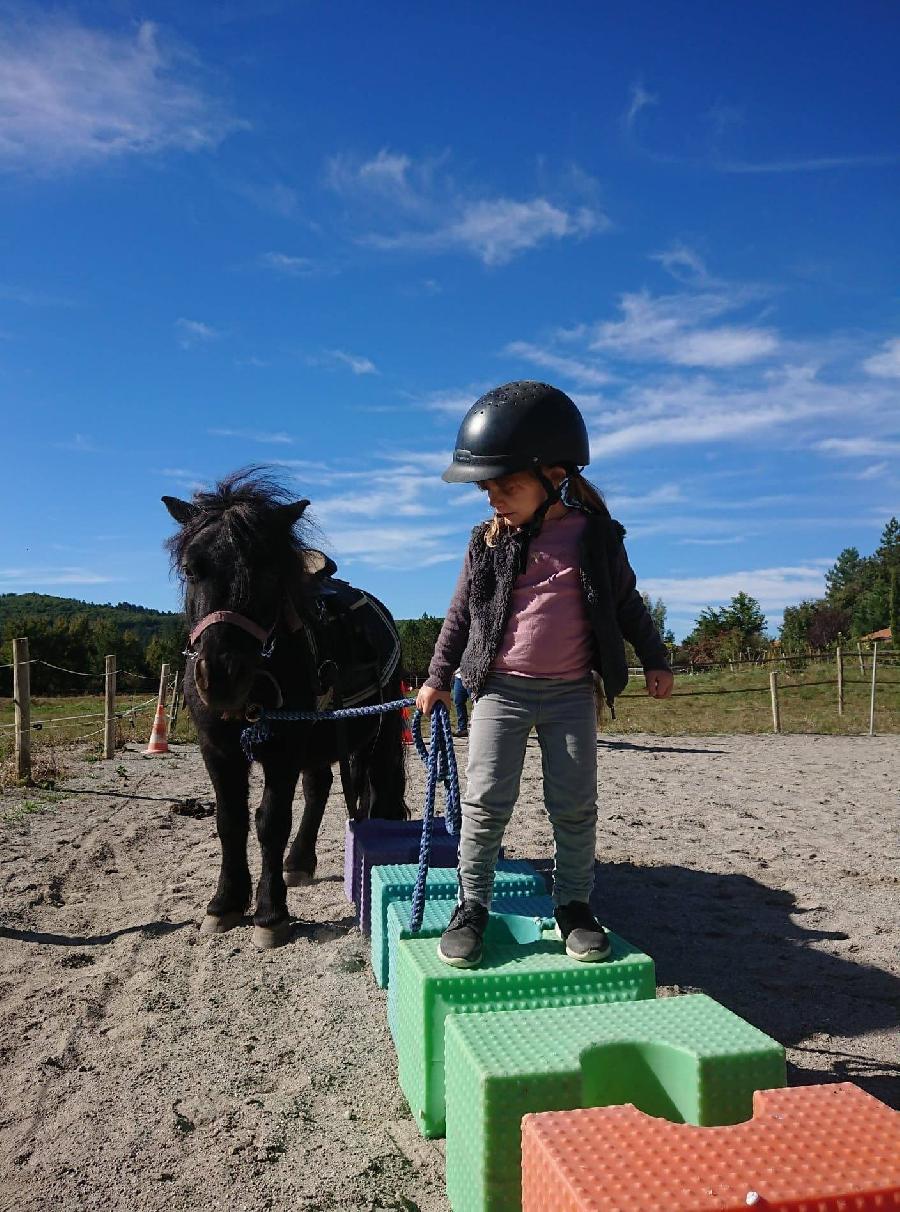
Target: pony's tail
{"points": [[380, 770]]}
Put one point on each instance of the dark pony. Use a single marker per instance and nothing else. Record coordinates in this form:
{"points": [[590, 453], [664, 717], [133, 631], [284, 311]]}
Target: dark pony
{"points": [[270, 627]]}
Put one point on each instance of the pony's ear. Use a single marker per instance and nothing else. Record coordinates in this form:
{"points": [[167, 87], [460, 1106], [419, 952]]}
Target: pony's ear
{"points": [[181, 511], [289, 514]]}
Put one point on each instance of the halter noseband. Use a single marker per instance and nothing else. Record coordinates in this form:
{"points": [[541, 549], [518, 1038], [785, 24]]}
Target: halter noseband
{"points": [[237, 620]]}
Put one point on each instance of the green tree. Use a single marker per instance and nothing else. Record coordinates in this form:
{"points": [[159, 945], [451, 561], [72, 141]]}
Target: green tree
{"points": [[658, 613], [744, 616], [842, 581], [895, 608]]}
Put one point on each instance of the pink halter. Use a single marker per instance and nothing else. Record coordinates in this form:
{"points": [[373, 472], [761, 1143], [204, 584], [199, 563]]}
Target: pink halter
{"points": [[238, 620]]}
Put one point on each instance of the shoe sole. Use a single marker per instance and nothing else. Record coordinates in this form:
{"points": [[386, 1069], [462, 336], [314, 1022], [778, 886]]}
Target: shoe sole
{"points": [[458, 961], [585, 957]]}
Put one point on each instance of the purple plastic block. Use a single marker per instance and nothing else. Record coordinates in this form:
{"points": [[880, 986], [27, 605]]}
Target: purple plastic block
{"points": [[372, 842]]}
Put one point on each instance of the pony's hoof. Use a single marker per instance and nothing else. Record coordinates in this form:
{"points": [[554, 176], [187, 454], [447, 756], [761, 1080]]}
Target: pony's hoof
{"points": [[267, 937], [299, 879], [220, 923]]}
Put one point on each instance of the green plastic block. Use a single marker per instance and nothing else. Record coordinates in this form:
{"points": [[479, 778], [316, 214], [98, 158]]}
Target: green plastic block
{"points": [[525, 917], [685, 1059], [395, 882], [511, 976]]}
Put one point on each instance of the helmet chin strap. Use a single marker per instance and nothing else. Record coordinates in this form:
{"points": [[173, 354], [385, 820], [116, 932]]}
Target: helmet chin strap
{"points": [[533, 528]]}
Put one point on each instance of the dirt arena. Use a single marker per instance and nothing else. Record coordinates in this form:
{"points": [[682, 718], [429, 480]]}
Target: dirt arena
{"points": [[145, 1067]]}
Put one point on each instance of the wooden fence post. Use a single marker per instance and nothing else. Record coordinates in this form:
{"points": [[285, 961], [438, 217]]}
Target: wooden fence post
{"points": [[773, 687], [163, 685], [840, 676], [22, 700], [862, 663], [109, 709], [173, 705], [872, 695]]}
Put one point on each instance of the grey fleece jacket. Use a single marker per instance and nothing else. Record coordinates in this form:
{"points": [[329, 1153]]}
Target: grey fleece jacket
{"points": [[479, 609]]}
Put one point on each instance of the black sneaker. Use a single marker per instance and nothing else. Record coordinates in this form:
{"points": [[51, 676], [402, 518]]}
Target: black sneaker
{"points": [[585, 938], [461, 942]]}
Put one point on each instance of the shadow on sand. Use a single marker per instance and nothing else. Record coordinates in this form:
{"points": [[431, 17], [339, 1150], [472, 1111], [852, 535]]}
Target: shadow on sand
{"points": [[739, 941]]}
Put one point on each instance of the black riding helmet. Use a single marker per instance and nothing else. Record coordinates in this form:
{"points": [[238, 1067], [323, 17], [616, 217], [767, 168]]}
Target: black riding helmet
{"points": [[518, 427]]}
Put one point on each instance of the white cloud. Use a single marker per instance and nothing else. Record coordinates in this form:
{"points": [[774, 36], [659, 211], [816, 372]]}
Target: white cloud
{"points": [[71, 95], [284, 263], [359, 365], [773, 588], [584, 374], [887, 363], [640, 100], [19, 579], [666, 328], [724, 347], [873, 472], [425, 210], [684, 264], [264, 437], [194, 332], [723, 542], [853, 447], [81, 443], [496, 230], [805, 164]]}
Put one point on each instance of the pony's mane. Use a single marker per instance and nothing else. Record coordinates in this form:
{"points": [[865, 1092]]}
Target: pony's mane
{"points": [[238, 517]]}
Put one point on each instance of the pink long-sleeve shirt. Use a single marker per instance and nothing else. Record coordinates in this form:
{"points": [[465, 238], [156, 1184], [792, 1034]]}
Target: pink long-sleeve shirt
{"points": [[549, 633]]}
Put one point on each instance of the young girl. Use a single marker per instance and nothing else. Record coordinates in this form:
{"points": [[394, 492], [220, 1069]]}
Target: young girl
{"points": [[545, 597]]}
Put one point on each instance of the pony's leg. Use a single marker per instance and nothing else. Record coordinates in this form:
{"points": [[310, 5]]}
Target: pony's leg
{"points": [[271, 925], [384, 765], [300, 864], [230, 777]]}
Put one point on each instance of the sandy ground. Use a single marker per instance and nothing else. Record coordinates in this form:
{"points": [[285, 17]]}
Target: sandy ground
{"points": [[145, 1067]]}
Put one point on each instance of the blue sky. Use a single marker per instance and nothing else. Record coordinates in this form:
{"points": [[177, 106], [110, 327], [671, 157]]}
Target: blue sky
{"points": [[311, 234]]}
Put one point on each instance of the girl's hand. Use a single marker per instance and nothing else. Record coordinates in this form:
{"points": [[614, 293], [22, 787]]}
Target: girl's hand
{"points": [[659, 683], [428, 696]]}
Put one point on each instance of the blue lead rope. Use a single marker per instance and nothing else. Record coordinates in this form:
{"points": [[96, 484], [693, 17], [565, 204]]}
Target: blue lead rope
{"points": [[440, 763]]}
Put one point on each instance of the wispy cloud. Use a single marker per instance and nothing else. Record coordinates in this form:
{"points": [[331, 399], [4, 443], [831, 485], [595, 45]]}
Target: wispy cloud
{"points": [[28, 297], [573, 370], [886, 364], [339, 357], [424, 209], [497, 230], [264, 437], [773, 588], [640, 99], [805, 164], [719, 120], [81, 443], [667, 328], [191, 333], [290, 266], [72, 95], [859, 446], [685, 265], [19, 579]]}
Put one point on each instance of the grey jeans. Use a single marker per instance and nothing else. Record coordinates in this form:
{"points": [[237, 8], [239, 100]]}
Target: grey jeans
{"points": [[564, 715]]}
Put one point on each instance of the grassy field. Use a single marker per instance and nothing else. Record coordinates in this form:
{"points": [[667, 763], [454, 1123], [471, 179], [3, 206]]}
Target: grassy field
{"points": [[703, 704], [724, 702], [66, 720]]}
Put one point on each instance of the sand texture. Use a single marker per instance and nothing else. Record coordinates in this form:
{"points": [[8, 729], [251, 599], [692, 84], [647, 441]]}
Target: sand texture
{"points": [[146, 1067]]}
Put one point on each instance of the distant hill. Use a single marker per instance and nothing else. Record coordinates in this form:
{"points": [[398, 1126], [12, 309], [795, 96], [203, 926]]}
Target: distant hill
{"points": [[124, 616]]}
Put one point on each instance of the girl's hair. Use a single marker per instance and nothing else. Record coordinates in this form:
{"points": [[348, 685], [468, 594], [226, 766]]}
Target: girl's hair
{"points": [[579, 489]]}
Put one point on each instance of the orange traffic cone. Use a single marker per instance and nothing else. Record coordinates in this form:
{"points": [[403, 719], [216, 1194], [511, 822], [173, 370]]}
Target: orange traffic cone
{"points": [[159, 736], [404, 711]]}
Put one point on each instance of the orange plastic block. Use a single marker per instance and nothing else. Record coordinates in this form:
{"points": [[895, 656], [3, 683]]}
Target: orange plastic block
{"points": [[806, 1149]]}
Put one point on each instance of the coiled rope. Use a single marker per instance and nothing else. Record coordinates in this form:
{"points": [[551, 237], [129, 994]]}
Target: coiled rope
{"points": [[440, 765]]}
